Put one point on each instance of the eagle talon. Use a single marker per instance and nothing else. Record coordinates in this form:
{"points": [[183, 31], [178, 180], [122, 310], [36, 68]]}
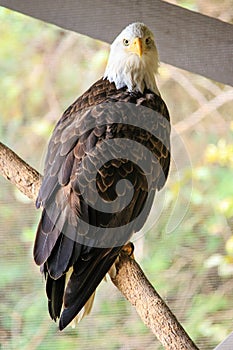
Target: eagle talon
{"points": [[128, 249]]}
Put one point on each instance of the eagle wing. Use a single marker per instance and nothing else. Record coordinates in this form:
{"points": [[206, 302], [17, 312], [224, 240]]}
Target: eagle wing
{"points": [[105, 136]]}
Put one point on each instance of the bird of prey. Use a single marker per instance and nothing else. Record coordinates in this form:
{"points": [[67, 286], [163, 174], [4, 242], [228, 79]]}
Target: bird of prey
{"points": [[108, 155]]}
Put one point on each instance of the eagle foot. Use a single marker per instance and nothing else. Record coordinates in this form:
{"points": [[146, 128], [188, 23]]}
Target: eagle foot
{"points": [[128, 249]]}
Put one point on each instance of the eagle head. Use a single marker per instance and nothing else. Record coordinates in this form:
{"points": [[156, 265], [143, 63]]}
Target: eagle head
{"points": [[133, 60]]}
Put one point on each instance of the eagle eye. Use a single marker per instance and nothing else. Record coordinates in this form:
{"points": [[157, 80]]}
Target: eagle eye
{"points": [[126, 42], [148, 40]]}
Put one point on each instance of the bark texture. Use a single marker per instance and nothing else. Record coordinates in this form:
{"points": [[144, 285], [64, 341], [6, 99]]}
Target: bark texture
{"points": [[133, 284], [129, 279], [18, 172]]}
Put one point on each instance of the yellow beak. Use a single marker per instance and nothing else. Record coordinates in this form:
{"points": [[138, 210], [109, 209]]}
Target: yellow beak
{"points": [[136, 47]]}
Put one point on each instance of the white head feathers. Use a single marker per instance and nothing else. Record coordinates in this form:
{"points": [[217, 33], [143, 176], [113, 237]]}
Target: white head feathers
{"points": [[133, 59]]}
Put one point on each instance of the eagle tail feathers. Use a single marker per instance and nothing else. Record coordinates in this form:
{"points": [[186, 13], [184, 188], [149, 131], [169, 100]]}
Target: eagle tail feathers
{"points": [[80, 289]]}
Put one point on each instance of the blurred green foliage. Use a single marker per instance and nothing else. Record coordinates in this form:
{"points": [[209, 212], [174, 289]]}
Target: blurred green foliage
{"points": [[42, 70]]}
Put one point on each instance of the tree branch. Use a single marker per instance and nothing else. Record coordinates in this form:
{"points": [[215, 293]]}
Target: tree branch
{"points": [[18, 172], [129, 279], [133, 284]]}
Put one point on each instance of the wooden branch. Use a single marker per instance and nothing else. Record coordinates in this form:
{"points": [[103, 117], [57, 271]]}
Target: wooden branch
{"points": [[133, 284], [18, 172], [129, 279]]}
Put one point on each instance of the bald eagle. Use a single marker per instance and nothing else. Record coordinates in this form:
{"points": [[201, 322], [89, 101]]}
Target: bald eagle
{"points": [[108, 155]]}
